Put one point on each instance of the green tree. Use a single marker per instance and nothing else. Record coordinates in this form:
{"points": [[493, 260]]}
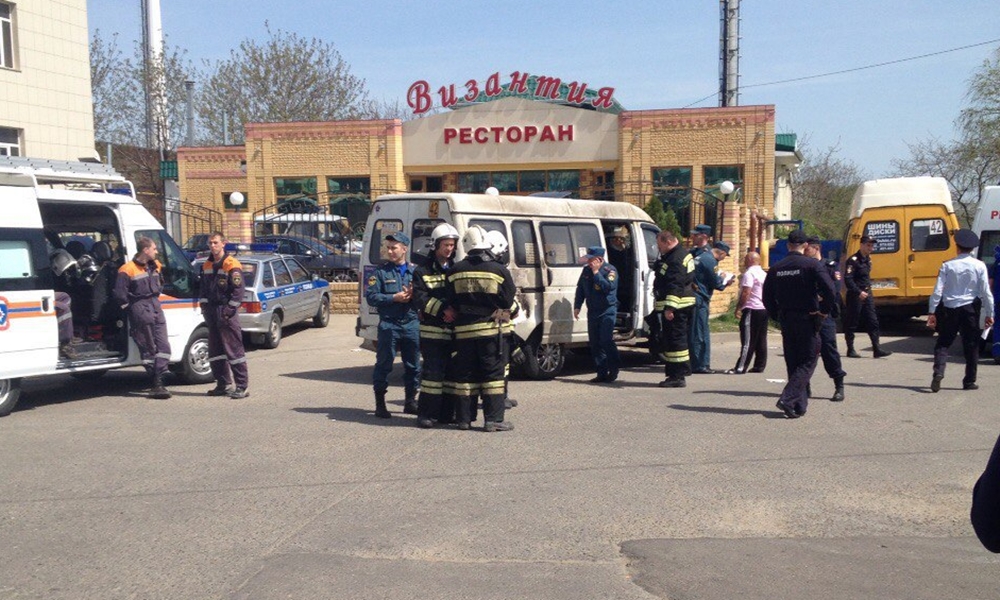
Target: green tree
{"points": [[284, 78], [823, 190], [664, 218]]}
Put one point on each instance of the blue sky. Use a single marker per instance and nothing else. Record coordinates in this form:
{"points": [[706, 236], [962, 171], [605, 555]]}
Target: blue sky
{"points": [[655, 54]]}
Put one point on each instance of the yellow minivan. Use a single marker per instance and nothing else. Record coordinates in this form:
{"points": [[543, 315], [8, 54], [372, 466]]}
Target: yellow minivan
{"points": [[913, 222]]}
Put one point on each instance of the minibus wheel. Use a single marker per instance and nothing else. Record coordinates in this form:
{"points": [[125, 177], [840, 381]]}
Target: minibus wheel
{"points": [[10, 391], [543, 361]]}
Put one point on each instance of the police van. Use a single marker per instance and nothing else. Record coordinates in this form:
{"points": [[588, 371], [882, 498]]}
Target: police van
{"points": [[547, 237], [913, 223], [89, 212], [987, 225]]}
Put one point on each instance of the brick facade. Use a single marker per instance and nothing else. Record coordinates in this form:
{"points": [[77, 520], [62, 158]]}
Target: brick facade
{"points": [[692, 138]]}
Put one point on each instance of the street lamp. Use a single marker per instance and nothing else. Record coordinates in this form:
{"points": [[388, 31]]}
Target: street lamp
{"points": [[236, 199]]}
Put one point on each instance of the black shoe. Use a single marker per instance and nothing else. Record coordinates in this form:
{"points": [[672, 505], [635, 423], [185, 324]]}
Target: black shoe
{"points": [[492, 426], [880, 353], [220, 389], [599, 379], [239, 393], [789, 412], [809, 391], [970, 386], [936, 384], [410, 406], [734, 372], [838, 395], [612, 376], [853, 354], [755, 371], [705, 372], [673, 382], [425, 423], [464, 426], [509, 403], [380, 409], [159, 393]]}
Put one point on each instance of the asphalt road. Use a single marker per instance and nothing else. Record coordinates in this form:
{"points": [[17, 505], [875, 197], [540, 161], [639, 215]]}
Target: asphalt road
{"points": [[626, 491]]}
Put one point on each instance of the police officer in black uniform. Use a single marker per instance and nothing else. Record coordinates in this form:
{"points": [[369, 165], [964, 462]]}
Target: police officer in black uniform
{"points": [[860, 303], [598, 286], [828, 334], [799, 293], [429, 291]]}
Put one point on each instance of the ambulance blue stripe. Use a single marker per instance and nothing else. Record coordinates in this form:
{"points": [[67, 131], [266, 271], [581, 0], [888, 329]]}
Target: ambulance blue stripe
{"points": [[24, 310]]}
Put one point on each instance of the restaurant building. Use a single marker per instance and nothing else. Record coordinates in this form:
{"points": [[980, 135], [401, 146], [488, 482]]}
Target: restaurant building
{"points": [[532, 135]]}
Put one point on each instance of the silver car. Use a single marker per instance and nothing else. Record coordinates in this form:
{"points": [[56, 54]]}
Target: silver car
{"points": [[279, 292]]}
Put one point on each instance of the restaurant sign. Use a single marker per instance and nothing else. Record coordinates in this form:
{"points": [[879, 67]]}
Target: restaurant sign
{"points": [[521, 85]]}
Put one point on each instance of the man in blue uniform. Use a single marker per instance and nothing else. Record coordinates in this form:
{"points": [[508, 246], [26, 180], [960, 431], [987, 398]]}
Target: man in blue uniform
{"points": [[706, 280], [828, 334], [222, 288], [961, 293], [798, 293], [860, 303], [390, 290], [598, 286]]}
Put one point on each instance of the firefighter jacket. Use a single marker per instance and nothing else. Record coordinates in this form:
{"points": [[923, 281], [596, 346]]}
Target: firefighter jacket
{"points": [[222, 285], [673, 287], [429, 294], [137, 289], [482, 291]]}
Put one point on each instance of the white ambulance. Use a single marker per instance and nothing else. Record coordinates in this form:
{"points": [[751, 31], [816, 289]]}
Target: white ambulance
{"points": [[987, 225], [547, 237], [51, 208]]}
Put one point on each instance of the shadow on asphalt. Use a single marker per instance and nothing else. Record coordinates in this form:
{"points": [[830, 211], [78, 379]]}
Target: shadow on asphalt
{"points": [[360, 375], [767, 414], [363, 416], [41, 392], [912, 388]]}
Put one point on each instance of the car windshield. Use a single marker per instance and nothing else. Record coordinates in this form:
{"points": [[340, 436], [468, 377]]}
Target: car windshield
{"points": [[195, 242]]}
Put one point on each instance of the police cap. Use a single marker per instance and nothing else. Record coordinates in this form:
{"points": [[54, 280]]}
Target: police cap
{"points": [[400, 238], [702, 229], [797, 236], [814, 240], [594, 252], [867, 239], [966, 238], [721, 246]]}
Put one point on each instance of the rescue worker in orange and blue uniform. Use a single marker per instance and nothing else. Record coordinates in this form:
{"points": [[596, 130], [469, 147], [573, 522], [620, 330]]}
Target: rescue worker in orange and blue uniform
{"points": [[222, 289]]}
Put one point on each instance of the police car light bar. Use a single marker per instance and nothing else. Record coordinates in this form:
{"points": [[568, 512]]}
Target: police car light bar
{"points": [[258, 247]]}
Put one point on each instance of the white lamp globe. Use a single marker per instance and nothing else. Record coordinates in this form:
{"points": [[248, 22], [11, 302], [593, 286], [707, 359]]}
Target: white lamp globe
{"points": [[236, 199], [727, 187], [492, 191]]}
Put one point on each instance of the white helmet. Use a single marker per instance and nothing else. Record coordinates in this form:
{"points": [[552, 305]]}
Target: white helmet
{"points": [[62, 261], [443, 231], [498, 243], [475, 239]]}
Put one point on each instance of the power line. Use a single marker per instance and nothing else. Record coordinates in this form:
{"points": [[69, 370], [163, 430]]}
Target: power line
{"points": [[872, 66]]}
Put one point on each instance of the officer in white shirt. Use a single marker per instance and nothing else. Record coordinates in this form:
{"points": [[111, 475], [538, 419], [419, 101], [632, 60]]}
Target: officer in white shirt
{"points": [[961, 293]]}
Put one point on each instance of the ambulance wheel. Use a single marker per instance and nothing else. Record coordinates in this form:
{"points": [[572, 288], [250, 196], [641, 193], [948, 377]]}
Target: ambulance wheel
{"points": [[543, 361], [273, 336], [10, 391], [322, 318], [195, 367]]}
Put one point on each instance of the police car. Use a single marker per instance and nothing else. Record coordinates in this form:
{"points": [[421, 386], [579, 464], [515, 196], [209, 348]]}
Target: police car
{"points": [[279, 292]]}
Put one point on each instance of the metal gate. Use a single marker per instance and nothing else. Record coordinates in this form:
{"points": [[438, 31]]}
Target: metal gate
{"points": [[182, 220]]}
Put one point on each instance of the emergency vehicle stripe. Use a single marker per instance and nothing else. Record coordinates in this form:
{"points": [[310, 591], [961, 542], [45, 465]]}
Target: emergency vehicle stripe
{"points": [[26, 310], [168, 302]]}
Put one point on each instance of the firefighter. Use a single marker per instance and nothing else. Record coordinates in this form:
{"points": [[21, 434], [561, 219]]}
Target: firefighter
{"points": [[481, 291], [137, 291], [221, 295], [674, 295], [436, 401]]}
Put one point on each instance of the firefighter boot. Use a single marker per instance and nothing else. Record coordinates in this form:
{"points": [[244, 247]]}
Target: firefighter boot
{"points": [[158, 392], [410, 405], [380, 410]]}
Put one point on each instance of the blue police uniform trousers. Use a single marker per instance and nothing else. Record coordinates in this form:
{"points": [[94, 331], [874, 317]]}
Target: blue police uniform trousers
{"points": [[601, 331], [700, 342], [828, 349], [800, 342], [404, 337]]}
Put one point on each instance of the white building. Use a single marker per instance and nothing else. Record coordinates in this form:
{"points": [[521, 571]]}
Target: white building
{"points": [[46, 110]]}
